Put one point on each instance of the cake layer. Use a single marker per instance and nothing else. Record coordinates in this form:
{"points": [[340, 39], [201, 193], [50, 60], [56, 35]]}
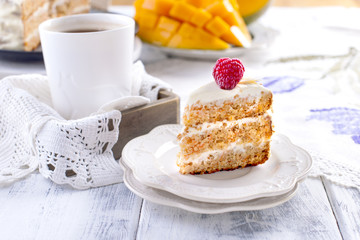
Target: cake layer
{"points": [[219, 135], [58, 8], [28, 7], [238, 156], [31, 32], [211, 104]]}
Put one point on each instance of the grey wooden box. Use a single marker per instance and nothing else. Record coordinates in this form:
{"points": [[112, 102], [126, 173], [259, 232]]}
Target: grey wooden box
{"points": [[141, 120]]}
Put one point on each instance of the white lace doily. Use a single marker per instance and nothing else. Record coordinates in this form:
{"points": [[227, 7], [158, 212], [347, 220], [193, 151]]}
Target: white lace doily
{"points": [[75, 152]]}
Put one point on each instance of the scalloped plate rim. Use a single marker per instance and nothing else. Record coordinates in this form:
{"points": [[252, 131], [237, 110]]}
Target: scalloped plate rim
{"points": [[141, 179], [154, 195]]}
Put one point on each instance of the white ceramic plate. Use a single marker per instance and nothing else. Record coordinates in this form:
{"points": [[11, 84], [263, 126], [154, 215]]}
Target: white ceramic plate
{"points": [[165, 198], [152, 158], [262, 39]]}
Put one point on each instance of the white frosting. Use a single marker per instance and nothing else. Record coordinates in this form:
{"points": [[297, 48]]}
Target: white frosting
{"points": [[11, 25], [55, 4], [211, 92], [80, 9]]}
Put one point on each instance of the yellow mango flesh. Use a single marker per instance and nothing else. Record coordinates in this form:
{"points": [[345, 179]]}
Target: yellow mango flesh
{"points": [[195, 38], [217, 26], [182, 11], [200, 17], [191, 24], [158, 36], [162, 7], [168, 24], [147, 19]]}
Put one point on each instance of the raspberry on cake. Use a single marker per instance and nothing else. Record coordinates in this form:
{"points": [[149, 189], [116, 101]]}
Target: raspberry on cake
{"points": [[226, 129], [228, 72]]}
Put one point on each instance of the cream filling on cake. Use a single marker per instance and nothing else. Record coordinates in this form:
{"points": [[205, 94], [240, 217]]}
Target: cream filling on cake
{"points": [[80, 9], [54, 4], [235, 147], [11, 25], [210, 126], [211, 92]]}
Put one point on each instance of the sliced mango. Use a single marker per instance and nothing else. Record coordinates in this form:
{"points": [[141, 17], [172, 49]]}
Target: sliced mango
{"points": [[193, 24], [138, 4], [182, 11], [200, 17], [162, 7], [207, 41], [236, 37], [177, 41], [186, 30], [148, 4], [161, 37], [236, 20], [155, 36], [220, 8], [147, 19], [168, 24], [196, 3], [217, 26], [195, 38], [226, 10]]}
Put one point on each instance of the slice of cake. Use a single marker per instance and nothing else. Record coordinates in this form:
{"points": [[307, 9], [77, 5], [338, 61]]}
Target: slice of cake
{"points": [[225, 129], [20, 19]]}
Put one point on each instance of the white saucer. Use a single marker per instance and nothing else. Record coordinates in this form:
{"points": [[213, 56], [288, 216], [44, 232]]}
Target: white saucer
{"points": [[152, 159], [165, 198]]}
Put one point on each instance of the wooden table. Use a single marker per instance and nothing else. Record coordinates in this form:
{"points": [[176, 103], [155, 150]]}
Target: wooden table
{"points": [[36, 208]]}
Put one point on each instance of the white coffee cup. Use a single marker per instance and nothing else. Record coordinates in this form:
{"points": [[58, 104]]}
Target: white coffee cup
{"points": [[88, 60]]}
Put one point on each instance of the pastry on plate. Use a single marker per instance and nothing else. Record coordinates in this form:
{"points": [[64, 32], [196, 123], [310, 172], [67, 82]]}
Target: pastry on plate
{"points": [[20, 19], [227, 123]]}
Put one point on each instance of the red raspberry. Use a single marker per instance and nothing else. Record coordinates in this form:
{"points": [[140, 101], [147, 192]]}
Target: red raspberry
{"points": [[228, 72]]}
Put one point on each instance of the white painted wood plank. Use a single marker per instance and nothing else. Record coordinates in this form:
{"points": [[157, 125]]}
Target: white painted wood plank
{"points": [[307, 216], [346, 206], [36, 208]]}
